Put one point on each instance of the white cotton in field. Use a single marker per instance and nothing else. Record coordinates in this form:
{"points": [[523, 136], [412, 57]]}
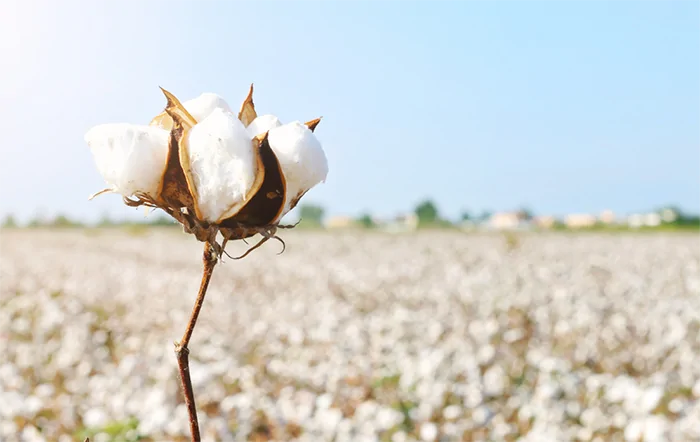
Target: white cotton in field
{"points": [[301, 157], [223, 165], [131, 158], [262, 124]]}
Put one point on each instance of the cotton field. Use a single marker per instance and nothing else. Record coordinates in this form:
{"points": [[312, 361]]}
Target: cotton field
{"points": [[435, 336]]}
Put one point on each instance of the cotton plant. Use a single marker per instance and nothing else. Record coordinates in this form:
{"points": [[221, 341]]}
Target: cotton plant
{"points": [[216, 173]]}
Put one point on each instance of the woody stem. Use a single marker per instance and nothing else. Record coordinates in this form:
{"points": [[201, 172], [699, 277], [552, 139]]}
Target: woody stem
{"points": [[182, 352]]}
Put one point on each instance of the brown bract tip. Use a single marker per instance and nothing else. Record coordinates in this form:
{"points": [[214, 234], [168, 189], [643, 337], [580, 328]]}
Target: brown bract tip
{"points": [[177, 111], [313, 123], [247, 113], [260, 138]]}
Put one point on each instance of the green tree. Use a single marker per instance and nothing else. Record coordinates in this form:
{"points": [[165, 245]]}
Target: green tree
{"points": [[161, 220], [9, 222], [38, 220], [63, 221], [525, 213], [366, 221], [311, 215], [427, 213], [680, 216], [466, 216]]}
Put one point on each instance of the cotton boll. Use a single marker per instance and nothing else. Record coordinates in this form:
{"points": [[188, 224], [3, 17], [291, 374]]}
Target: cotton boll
{"points": [[223, 165], [301, 158], [131, 158], [200, 108], [262, 124]]}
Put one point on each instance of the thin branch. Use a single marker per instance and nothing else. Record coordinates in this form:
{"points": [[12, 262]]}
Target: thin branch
{"points": [[182, 352], [284, 245], [261, 242], [288, 226]]}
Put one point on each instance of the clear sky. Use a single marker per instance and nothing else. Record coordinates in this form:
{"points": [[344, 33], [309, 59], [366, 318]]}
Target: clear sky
{"points": [[573, 106]]}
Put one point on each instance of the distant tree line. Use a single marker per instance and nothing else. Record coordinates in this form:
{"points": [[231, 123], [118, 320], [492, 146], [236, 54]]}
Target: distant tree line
{"points": [[63, 221], [684, 219], [312, 216], [426, 212]]}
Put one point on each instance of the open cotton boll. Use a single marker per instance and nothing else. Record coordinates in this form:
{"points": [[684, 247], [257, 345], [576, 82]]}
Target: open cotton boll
{"points": [[262, 124], [131, 158], [301, 158], [222, 165]]}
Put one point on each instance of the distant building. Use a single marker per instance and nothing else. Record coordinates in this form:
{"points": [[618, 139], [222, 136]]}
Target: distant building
{"points": [[580, 220], [402, 223], [340, 222], [637, 220], [652, 219], [544, 221], [607, 217], [508, 220]]}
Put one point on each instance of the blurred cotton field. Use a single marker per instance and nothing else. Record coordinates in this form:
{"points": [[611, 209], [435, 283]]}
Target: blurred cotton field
{"points": [[435, 336]]}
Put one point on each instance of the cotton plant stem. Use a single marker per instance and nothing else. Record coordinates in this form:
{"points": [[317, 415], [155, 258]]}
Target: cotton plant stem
{"points": [[182, 352]]}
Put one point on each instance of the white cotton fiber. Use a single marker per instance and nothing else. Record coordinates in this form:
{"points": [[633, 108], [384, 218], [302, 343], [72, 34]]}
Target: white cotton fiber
{"points": [[301, 157], [262, 124], [202, 106], [131, 158], [222, 164]]}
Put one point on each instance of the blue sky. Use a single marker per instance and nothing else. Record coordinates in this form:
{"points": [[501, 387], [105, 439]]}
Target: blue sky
{"points": [[562, 107]]}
